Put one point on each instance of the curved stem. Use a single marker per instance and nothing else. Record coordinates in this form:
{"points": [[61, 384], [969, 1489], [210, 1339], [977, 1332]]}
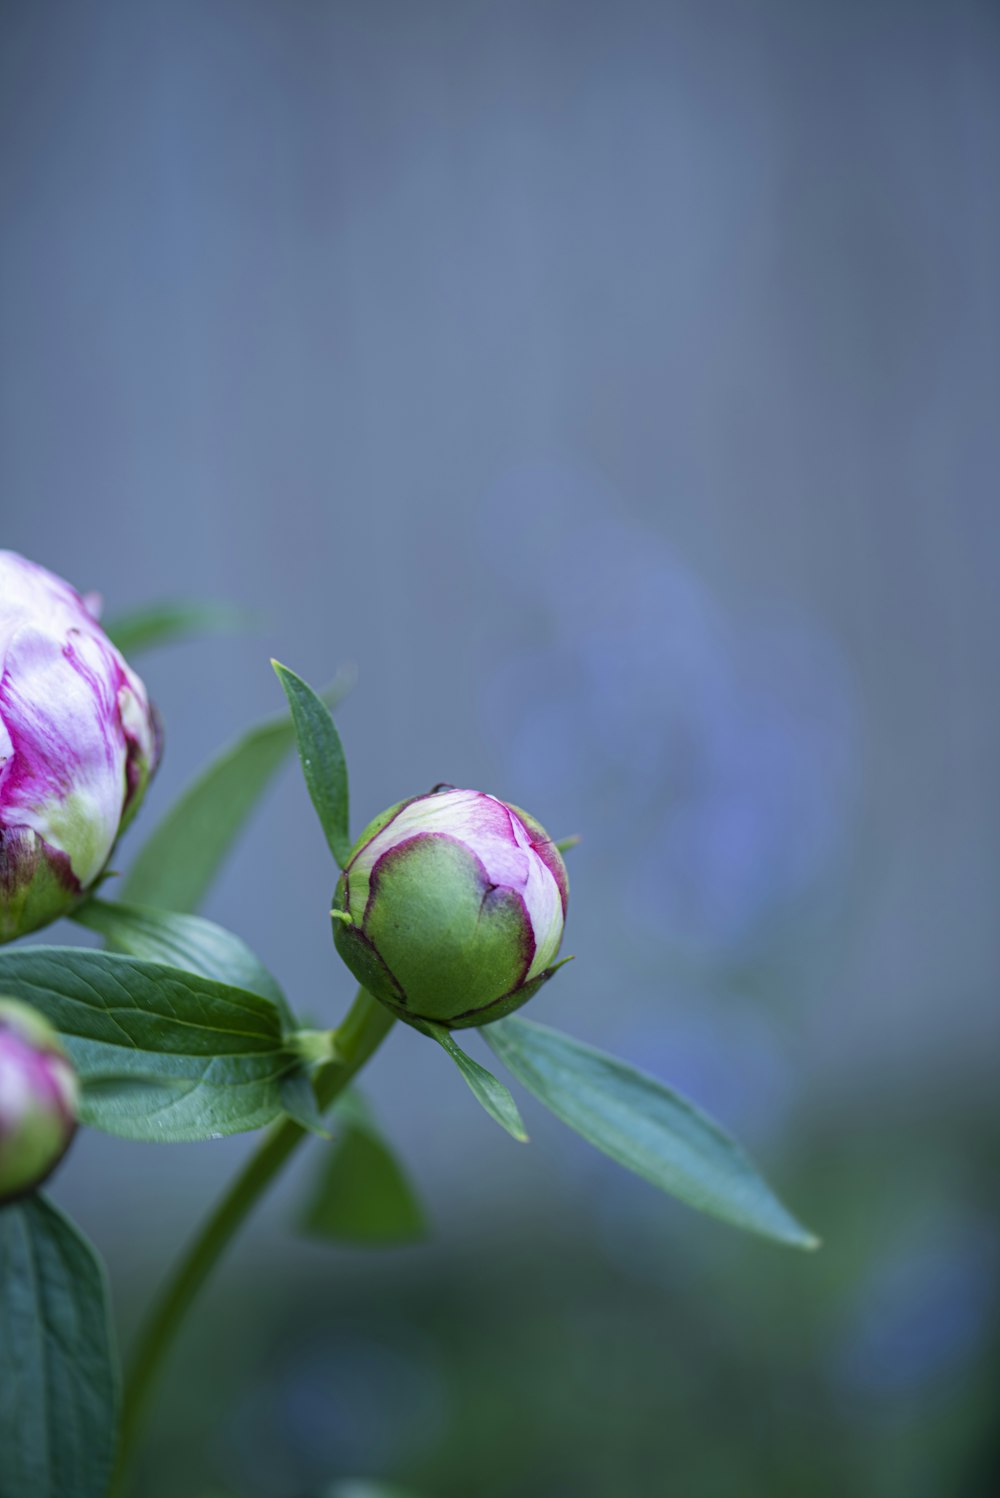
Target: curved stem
{"points": [[365, 1026]]}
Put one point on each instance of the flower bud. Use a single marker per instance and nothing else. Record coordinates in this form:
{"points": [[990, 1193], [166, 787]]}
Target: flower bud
{"points": [[451, 907], [38, 1099], [78, 743]]}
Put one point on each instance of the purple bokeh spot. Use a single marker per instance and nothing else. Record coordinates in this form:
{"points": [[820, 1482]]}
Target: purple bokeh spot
{"points": [[712, 762], [352, 1402], [923, 1313]]}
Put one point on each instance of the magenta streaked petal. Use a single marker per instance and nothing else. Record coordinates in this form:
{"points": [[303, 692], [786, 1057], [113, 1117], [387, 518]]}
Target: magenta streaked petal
{"points": [[552, 859], [544, 905], [66, 779], [143, 737], [480, 821], [6, 755], [32, 593], [468, 815], [39, 1098], [17, 1089], [78, 739]]}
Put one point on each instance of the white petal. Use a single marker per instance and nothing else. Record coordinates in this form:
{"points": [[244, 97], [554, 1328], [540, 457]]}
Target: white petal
{"points": [[66, 776], [544, 905], [479, 821]]}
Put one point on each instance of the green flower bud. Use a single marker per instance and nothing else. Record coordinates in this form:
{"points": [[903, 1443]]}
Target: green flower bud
{"points": [[38, 1099], [451, 907]]}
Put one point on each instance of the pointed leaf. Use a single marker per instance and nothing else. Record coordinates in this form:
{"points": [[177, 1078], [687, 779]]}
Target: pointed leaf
{"points": [[493, 1095], [178, 862], [164, 1055], [187, 941], [362, 1195], [58, 1368], [323, 762], [167, 623], [298, 1098], [644, 1126]]}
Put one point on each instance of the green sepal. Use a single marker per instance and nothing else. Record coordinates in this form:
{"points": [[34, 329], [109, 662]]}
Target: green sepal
{"points": [[432, 912], [484, 1086], [38, 885], [376, 824], [361, 958], [508, 1003]]}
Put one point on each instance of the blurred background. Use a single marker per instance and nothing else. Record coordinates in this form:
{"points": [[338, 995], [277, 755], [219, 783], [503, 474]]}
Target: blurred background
{"points": [[616, 386]]}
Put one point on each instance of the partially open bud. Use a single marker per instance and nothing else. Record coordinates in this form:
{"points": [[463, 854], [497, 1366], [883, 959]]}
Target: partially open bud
{"points": [[38, 1099], [78, 743], [451, 908]]}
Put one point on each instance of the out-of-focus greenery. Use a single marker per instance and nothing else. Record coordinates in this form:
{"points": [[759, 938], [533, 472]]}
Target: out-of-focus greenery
{"points": [[642, 1351], [617, 385]]}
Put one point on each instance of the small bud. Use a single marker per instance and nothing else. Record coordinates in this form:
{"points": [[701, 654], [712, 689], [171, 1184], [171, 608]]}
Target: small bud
{"points": [[38, 1099], [78, 743], [451, 907]]}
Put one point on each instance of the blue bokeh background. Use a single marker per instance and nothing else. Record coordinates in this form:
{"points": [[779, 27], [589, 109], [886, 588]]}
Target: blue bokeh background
{"points": [[616, 387]]}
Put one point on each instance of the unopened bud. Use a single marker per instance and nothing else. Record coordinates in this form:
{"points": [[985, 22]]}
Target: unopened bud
{"points": [[78, 743], [38, 1099], [451, 908]]}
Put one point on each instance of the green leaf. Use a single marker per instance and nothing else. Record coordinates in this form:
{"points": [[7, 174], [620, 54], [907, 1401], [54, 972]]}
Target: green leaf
{"points": [[187, 941], [645, 1127], [323, 762], [178, 862], [362, 1195], [166, 623], [164, 1055], [58, 1369], [298, 1098], [493, 1095]]}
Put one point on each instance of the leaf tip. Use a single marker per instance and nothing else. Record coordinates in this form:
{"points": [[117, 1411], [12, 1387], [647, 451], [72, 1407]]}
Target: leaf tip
{"points": [[796, 1235]]}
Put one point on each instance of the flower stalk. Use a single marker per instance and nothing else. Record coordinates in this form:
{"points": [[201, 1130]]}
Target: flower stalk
{"points": [[364, 1028]]}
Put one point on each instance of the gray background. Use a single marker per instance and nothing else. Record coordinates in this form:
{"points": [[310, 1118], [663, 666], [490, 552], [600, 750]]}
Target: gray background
{"points": [[616, 387]]}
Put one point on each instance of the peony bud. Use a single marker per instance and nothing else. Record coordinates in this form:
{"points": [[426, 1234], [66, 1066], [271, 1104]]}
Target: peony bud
{"points": [[78, 743], [38, 1099], [451, 907]]}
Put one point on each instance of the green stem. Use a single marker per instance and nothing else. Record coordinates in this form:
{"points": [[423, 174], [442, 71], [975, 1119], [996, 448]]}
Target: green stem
{"points": [[366, 1025]]}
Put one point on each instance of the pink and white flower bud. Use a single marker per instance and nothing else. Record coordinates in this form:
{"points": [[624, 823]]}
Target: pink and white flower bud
{"points": [[451, 908], [78, 743], [38, 1099]]}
